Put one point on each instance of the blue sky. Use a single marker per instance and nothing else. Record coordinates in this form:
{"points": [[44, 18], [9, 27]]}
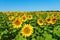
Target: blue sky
{"points": [[29, 5]]}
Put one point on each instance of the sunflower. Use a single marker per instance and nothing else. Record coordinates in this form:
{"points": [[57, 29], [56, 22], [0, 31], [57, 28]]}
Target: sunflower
{"points": [[15, 13], [24, 18], [58, 13], [40, 22], [17, 23], [53, 20], [27, 30], [48, 19], [29, 17], [11, 17]]}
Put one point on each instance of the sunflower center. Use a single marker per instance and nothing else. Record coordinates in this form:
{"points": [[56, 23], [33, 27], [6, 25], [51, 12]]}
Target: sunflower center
{"points": [[27, 30], [54, 19], [40, 21], [17, 22], [24, 18], [29, 16], [59, 14], [48, 19], [10, 16]]}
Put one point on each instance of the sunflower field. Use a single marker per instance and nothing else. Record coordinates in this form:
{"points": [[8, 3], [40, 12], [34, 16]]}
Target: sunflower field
{"points": [[29, 25]]}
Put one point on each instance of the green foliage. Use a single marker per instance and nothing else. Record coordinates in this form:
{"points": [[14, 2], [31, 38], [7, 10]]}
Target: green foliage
{"points": [[40, 32]]}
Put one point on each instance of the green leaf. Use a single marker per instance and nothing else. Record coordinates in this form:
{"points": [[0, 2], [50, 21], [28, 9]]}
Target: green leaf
{"points": [[47, 36], [19, 37], [41, 38], [33, 39], [56, 31]]}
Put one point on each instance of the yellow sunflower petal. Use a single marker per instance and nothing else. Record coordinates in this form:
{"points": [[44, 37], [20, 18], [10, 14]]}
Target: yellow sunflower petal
{"points": [[17, 23], [27, 30], [53, 20], [11, 17], [40, 22], [29, 17], [48, 19], [24, 18]]}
